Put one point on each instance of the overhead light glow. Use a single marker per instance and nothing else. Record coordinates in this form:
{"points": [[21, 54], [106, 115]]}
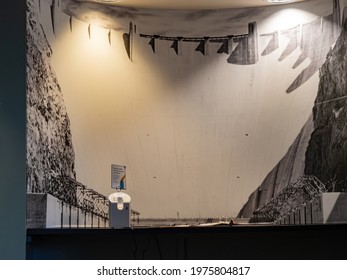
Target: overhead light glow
{"points": [[110, 1], [279, 1]]}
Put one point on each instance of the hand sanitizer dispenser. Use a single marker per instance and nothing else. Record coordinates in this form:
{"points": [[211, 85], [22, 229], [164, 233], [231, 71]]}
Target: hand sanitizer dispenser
{"points": [[119, 202], [119, 210]]}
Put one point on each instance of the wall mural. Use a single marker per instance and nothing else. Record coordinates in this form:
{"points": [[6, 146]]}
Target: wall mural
{"points": [[217, 114]]}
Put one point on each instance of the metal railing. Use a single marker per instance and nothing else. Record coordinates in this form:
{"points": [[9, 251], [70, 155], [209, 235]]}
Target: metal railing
{"points": [[305, 189], [73, 194]]}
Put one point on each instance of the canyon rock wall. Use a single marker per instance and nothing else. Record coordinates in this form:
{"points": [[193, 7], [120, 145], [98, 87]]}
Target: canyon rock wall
{"points": [[49, 143]]}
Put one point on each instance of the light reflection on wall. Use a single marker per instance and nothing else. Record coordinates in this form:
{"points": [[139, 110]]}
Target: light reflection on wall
{"points": [[110, 101], [287, 18], [99, 42]]}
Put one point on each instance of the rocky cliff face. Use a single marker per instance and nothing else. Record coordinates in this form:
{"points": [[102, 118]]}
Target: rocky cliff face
{"points": [[49, 146], [321, 147], [326, 156]]}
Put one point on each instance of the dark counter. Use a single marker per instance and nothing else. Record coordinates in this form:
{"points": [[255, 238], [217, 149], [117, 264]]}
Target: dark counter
{"points": [[261, 242]]}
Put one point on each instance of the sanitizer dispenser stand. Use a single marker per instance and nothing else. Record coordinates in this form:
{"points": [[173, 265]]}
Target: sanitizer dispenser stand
{"points": [[119, 210]]}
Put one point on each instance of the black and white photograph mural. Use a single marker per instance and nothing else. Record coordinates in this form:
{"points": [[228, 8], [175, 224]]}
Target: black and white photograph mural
{"points": [[218, 115]]}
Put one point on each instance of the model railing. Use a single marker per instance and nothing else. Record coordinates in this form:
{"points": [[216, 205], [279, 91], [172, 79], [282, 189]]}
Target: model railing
{"points": [[73, 194], [305, 189], [76, 194]]}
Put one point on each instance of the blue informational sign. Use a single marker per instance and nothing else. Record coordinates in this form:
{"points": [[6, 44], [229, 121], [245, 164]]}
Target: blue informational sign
{"points": [[118, 177]]}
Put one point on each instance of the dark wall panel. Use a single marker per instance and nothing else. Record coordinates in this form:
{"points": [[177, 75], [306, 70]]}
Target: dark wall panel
{"points": [[12, 129]]}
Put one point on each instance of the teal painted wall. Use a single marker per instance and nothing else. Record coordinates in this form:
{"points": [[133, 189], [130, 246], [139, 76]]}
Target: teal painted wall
{"points": [[12, 129]]}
